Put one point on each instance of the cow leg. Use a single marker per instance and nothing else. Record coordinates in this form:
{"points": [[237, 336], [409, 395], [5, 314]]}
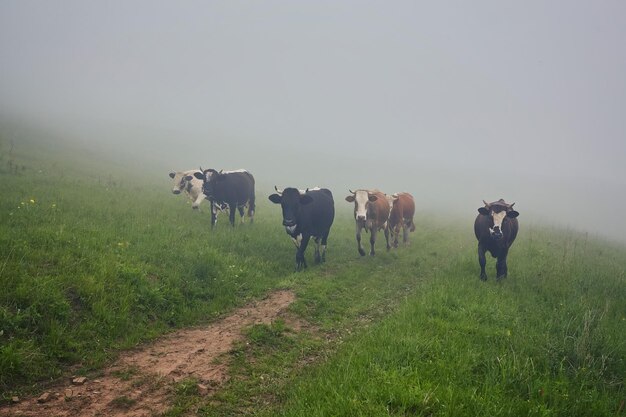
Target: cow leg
{"points": [[372, 241], [324, 243], [501, 268], [358, 240], [386, 231], [318, 257], [300, 261], [197, 202], [251, 209], [482, 261], [393, 235], [241, 212], [405, 232], [231, 214], [213, 214]]}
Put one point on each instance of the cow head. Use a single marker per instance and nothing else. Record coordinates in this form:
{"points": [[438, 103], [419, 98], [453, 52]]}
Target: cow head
{"points": [[394, 222], [497, 211], [290, 200], [391, 199], [361, 200], [181, 181], [209, 178]]}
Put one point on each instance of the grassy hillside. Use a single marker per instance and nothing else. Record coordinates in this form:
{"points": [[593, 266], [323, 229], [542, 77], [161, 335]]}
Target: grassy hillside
{"points": [[93, 261], [95, 258]]}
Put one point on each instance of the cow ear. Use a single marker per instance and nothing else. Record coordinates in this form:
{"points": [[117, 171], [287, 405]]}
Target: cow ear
{"points": [[172, 175], [512, 214], [483, 210], [372, 198], [305, 199], [275, 198], [199, 175], [350, 199]]}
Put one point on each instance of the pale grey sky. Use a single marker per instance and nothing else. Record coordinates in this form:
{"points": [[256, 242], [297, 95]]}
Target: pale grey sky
{"points": [[455, 101]]}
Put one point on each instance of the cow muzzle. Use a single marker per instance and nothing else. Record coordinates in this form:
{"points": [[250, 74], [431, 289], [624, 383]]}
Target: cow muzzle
{"points": [[175, 191], [496, 233], [360, 218]]}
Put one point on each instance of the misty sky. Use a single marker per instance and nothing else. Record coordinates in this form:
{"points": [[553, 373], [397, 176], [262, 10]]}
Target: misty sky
{"points": [[480, 99]]}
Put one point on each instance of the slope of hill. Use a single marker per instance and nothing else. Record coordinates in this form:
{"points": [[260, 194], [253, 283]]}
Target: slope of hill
{"points": [[94, 260]]}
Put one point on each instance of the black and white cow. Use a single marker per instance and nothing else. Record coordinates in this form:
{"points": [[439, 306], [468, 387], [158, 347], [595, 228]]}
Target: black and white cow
{"points": [[495, 228], [233, 188], [305, 215]]}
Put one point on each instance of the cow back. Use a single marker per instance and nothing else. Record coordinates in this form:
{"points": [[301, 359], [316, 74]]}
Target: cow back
{"points": [[317, 217], [235, 188], [378, 211], [403, 209]]}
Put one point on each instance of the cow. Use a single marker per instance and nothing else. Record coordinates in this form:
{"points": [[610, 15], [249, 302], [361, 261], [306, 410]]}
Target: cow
{"points": [[185, 181], [305, 215], [232, 188], [298, 238], [402, 209], [371, 212], [495, 227]]}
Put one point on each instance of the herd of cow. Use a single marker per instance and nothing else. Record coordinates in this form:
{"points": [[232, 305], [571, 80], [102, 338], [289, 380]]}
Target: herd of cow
{"points": [[310, 213]]}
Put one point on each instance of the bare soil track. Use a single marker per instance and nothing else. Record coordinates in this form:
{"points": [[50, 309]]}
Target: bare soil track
{"points": [[140, 383]]}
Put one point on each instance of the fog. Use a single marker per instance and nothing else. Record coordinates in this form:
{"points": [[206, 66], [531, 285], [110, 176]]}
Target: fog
{"points": [[455, 102]]}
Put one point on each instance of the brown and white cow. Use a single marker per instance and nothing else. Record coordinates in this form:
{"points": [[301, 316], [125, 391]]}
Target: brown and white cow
{"points": [[402, 208], [371, 212]]}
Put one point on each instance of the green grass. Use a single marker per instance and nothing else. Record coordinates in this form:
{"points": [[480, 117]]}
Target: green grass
{"points": [[549, 340], [104, 258], [88, 267]]}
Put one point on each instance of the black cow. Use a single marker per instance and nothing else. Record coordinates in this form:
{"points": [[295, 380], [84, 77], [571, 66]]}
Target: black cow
{"points": [[234, 188], [306, 215], [495, 227]]}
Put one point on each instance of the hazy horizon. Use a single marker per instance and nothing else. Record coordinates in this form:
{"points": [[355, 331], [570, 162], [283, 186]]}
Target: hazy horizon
{"points": [[453, 102]]}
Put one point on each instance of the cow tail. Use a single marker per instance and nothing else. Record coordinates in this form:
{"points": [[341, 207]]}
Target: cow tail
{"points": [[412, 229]]}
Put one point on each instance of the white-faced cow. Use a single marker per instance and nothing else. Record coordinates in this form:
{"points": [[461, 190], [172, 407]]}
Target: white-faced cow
{"points": [[184, 181], [233, 188], [307, 214], [495, 227], [402, 208], [371, 212]]}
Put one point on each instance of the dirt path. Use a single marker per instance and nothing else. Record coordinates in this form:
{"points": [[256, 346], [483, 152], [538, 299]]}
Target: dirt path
{"points": [[139, 383]]}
